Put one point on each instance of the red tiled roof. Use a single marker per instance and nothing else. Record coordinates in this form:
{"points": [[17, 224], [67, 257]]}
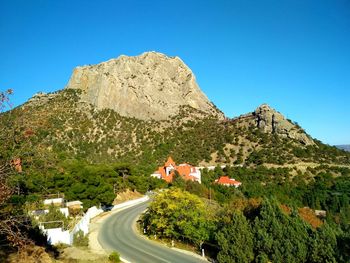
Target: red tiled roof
{"points": [[169, 162], [184, 171], [227, 180]]}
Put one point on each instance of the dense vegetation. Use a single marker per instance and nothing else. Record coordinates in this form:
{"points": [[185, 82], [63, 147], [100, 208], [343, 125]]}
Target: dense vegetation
{"points": [[260, 232], [91, 184], [271, 217]]}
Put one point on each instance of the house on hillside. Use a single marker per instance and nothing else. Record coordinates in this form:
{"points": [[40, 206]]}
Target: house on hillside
{"points": [[226, 181], [186, 171]]}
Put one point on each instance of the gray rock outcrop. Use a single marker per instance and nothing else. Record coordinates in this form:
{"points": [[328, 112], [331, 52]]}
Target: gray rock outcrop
{"points": [[149, 86], [271, 121]]}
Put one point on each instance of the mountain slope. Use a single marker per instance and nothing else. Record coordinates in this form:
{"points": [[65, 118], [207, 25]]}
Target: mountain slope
{"points": [[70, 124], [60, 126]]}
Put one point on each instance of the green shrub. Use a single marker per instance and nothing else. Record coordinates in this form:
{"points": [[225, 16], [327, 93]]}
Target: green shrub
{"points": [[80, 240], [114, 257]]}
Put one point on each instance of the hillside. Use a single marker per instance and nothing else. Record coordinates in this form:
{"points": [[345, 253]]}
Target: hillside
{"points": [[87, 121], [140, 110], [61, 125]]}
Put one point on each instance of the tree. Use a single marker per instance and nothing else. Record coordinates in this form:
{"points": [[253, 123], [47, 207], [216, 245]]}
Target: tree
{"points": [[5, 99], [178, 181], [343, 245], [54, 218], [80, 239], [323, 245], [279, 237], [11, 226], [178, 214], [235, 240], [90, 184]]}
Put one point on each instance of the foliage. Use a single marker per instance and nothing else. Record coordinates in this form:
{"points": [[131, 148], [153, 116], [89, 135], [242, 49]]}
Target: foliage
{"points": [[235, 240], [80, 240], [323, 246], [14, 225], [244, 230], [55, 218], [5, 100], [279, 237], [91, 184], [177, 214], [114, 257]]}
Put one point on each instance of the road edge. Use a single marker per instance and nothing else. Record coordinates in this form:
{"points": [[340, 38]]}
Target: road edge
{"points": [[97, 221]]}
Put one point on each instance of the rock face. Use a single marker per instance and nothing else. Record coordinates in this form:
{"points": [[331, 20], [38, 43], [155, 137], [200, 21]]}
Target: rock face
{"points": [[149, 86], [271, 121]]}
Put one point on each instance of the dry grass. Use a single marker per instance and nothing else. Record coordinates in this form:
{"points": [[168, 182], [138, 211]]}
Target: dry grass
{"points": [[126, 196], [309, 216], [32, 254]]}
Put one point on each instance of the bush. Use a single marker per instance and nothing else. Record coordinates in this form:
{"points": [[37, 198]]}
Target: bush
{"points": [[55, 218], [114, 257], [80, 240]]}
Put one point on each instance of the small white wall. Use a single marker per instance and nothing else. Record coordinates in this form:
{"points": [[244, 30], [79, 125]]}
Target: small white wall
{"points": [[84, 223], [65, 211], [57, 235], [53, 201], [159, 176], [197, 175]]}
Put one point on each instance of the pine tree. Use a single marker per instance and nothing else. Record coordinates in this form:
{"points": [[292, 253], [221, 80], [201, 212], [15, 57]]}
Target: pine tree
{"points": [[236, 241]]}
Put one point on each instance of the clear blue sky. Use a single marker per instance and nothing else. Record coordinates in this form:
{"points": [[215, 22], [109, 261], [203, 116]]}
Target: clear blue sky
{"points": [[291, 54]]}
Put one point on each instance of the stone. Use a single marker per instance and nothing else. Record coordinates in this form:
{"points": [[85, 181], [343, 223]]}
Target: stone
{"points": [[271, 121], [149, 86]]}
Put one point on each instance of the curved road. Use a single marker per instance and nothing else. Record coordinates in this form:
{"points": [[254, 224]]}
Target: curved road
{"points": [[118, 232]]}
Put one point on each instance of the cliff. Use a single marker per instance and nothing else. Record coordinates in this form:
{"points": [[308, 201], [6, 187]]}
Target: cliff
{"points": [[149, 86]]}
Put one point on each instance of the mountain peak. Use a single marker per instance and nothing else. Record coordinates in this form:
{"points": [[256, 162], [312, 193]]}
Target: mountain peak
{"points": [[149, 86], [268, 120], [265, 106], [146, 55]]}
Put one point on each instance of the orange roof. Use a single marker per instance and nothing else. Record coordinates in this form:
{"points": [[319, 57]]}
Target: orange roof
{"points": [[161, 171], [227, 180], [183, 169], [169, 162]]}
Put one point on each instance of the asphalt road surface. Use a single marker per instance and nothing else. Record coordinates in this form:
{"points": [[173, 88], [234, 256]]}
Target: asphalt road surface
{"points": [[118, 233]]}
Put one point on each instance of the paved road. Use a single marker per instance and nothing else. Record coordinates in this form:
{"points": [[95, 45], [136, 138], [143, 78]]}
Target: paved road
{"points": [[118, 233]]}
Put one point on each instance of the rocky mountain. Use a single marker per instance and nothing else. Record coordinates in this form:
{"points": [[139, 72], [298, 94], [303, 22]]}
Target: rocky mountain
{"points": [[119, 110], [149, 86], [271, 121]]}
